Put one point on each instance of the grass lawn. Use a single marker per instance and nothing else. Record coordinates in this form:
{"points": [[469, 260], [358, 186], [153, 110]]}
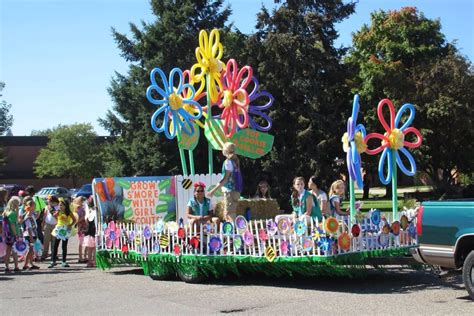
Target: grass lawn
{"points": [[383, 205]]}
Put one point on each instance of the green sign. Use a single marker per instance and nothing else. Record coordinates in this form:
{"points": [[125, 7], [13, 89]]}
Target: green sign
{"points": [[252, 143], [124, 184], [161, 208], [189, 142], [166, 197], [164, 184]]}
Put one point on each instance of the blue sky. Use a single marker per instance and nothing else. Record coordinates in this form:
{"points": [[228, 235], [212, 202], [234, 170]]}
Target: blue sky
{"points": [[57, 56]]}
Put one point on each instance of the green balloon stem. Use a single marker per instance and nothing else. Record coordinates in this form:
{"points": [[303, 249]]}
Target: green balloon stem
{"points": [[394, 186], [209, 118], [352, 201], [191, 161], [183, 158]]}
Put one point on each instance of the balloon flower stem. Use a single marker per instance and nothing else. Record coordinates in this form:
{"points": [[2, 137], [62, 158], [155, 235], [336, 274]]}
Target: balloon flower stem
{"points": [[209, 117], [394, 186], [191, 161], [352, 201]]}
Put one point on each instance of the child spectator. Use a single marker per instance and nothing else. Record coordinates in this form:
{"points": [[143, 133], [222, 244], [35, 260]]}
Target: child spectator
{"points": [[79, 209], [48, 224], [314, 186], [263, 190], [29, 222], [231, 183], [336, 194], [65, 218], [11, 231], [89, 236], [199, 208], [304, 203]]}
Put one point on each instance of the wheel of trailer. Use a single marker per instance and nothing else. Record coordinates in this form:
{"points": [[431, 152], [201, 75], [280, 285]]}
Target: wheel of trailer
{"points": [[190, 273], [468, 273], [161, 271]]}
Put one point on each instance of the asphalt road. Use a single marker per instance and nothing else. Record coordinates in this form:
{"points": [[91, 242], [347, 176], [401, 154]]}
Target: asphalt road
{"points": [[77, 290]]}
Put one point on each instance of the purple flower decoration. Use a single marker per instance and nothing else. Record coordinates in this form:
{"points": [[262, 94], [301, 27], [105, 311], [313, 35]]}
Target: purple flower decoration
{"points": [[354, 145], [257, 110]]}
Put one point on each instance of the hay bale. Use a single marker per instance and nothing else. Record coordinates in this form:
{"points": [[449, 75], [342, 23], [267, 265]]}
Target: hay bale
{"points": [[259, 208]]}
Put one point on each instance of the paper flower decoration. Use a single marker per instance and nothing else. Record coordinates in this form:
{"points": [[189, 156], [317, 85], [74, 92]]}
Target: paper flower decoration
{"points": [[283, 226], [383, 240], [240, 224], [300, 228], [325, 244], [332, 225], [194, 242], [412, 230], [394, 138], [238, 242], [262, 235], [159, 226], [354, 145], [62, 232], [21, 247], [144, 250], [112, 234], [344, 241], [177, 250], [360, 217], [404, 222], [156, 247], [124, 249], [283, 248], [248, 238], [271, 227], [234, 99], [227, 228], [208, 56], [172, 104], [256, 110], [215, 244], [355, 230], [181, 233], [317, 233], [307, 244], [396, 228], [147, 232], [375, 217]]}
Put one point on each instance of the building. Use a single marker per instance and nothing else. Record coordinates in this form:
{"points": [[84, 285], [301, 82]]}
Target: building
{"points": [[20, 153]]}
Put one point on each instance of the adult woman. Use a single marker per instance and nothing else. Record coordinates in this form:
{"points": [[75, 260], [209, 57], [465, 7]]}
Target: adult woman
{"points": [[199, 208]]}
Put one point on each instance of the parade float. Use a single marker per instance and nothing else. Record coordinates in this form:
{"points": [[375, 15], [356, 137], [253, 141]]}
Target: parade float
{"points": [[142, 220]]}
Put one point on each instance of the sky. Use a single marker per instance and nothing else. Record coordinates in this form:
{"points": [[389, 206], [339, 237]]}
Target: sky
{"points": [[57, 57]]}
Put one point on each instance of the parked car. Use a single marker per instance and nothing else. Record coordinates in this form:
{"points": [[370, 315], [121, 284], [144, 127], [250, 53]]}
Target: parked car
{"points": [[12, 189], [85, 190], [446, 237], [58, 191]]}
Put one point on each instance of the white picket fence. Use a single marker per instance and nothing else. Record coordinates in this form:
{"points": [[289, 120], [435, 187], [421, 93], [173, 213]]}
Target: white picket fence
{"points": [[183, 195], [131, 235]]}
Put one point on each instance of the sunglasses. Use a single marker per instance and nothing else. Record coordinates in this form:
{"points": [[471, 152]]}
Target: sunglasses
{"points": [[198, 191]]}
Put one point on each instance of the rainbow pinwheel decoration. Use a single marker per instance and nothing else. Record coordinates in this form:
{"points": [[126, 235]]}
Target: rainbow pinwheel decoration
{"points": [[234, 99], [392, 143], [257, 110]]}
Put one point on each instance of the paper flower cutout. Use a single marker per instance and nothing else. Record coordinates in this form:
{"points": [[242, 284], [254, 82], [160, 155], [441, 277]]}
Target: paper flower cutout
{"points": [[300, 228], [396, 228], [181, 233], [257, 110], [147, 232], [394, 138], [355, 230], [262, 235], [283, 226], [317, 233], [227, 228], [404, 222], [238, 242], [332, 225], [240, 224], [156, 247], [325, 244], [208, 56], [307, 244], [383, 240], [21, 247], [375, 217], [271, 227], [177, 250], [233, 98], [144, 250], [112, 234], [194, 242], [124, 249], [62, 232], [354, 145], [344, 241], [173, 104], [215, 244], [159, 226], [248, 238], [283, 248]]}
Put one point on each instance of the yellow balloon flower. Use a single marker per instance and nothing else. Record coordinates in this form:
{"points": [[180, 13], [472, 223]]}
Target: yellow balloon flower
{"points": [[208, 56]]}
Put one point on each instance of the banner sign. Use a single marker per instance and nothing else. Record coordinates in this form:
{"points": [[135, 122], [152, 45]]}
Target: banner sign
{"points": [[141, 200]]}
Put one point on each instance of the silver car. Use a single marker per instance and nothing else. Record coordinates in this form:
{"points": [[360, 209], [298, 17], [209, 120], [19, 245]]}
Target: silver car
{"points": [[57, 191]]}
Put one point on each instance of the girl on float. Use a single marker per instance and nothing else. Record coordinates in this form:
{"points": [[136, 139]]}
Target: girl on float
{"points": [[304, 204], [11, 231], [314, 186], [199, 208], [65, 218], [263, 190], [335, 199], [231, 183], [29, 224]]}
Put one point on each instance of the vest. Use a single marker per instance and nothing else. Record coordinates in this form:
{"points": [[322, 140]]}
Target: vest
{"points": [[197, 209], [300, 209], [235, 182]]}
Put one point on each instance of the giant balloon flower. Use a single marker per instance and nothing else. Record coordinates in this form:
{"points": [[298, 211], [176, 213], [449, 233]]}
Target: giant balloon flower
{"points": [[173, 104], [208, 56], [394, 138], [353, 144], [257, 110], [233, 98]]}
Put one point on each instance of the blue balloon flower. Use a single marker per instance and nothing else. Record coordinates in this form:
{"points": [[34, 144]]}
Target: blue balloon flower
{"points": [[354, 144], [177, 103]]}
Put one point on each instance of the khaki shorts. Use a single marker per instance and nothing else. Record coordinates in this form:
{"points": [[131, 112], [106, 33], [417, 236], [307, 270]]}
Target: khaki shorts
{"points": [[230, 205]]}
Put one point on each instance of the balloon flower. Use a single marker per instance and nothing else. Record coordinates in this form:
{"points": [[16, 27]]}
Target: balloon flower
{"points": [[393, 143], [172, 104], [257, 110], [178, 106], [354, 145], [208, 57], [234, 99]]}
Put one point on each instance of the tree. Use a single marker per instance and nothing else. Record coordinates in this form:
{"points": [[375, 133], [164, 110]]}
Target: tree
{"points": [[403, 56], [168, 42], [71, 152], [294, 58], [6, 119]]}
